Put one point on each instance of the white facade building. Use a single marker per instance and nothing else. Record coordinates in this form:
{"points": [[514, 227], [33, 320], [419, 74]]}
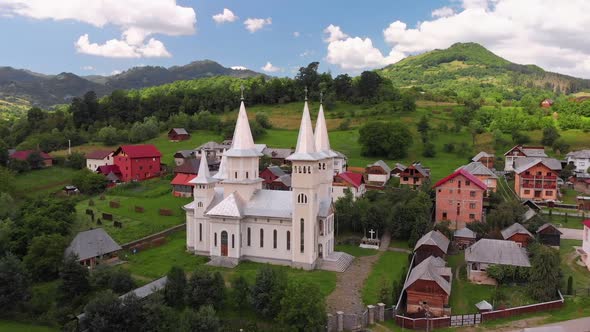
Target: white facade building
{"points": [[98, 158], [580, 159], [585, 257], [232, 218]]}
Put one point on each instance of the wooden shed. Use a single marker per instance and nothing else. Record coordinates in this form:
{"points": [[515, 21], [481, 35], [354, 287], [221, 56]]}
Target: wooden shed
{"points": [[549, 235]]}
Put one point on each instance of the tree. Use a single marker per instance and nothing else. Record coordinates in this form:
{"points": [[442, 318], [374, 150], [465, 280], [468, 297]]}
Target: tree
{"points": [[89, 182], [303, 307], [505, 214], [241, 292], [368, 84], [386, 139], [408, 103], [14, 282], [19, 166], [157, 317], [8, 207], [203, 320], [106, 312], [423, 127], [520, 138], [109, 135], [35, 160], [560, 146], [45, 256], [343, 87], [3, 153], [550, 135], [74, 278], [475, 128], [429, 150], [205, 288], [263, 121], [76, 160], [175, 288], [268, 291], [545, 272]]}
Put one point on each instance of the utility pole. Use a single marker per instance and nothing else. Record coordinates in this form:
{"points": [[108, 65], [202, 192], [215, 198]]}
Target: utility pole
{"points": [[70, 147]]}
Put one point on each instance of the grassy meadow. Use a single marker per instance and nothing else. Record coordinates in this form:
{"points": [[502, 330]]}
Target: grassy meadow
{"points": [[44, 181], [384, 272]]}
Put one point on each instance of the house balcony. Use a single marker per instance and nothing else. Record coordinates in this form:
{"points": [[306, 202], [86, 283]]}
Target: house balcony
{"points": [[539, 186], [539, 177]]}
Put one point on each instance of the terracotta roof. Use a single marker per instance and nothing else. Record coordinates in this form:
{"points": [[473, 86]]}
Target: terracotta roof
{"points": [[98, 154], [23, 155], [182, 179], [139, 151], [106, 169], [466, 174], [354, 179]]}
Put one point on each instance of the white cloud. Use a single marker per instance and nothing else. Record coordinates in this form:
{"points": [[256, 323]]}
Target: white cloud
{"points": [[116, 72], [227, 16], [255, 24], [296, 34], [136, 19], [238, 68], [443, 12], [87, 68], [355, 53], [269, 68], [518, 30], [334, 33]]}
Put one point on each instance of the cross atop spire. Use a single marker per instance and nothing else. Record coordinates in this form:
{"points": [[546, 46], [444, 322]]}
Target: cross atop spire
{"points": [[305, 93], [242, 92]]}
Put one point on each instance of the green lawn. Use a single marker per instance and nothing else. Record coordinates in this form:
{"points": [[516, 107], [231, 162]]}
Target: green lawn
{"points": [[570, 222], [401, 244], [580, 274], [568, 196], [356, 251], [151, 195], [43, 181], [385, 271], [10, 326]]}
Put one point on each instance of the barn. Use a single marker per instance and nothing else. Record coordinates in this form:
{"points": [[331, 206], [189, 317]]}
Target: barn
{"points": [[178, 134], [549, 235], [433, 243]]}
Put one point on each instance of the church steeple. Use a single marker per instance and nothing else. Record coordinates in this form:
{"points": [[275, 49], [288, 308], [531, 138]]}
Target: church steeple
{"points": [[203, 177], [322, 140], [306, 147], [222, 172]]}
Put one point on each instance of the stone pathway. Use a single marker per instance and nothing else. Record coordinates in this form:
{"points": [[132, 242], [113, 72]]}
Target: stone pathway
{"points": [[571, 233], [349, 284]]}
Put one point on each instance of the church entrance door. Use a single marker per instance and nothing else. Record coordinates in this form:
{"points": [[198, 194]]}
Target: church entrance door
{"points": [[224, 243], [321, 251]]}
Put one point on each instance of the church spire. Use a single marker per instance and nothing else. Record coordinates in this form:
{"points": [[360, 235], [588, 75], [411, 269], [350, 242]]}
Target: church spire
{"points": [[322, 140], [242, 143], [222, 172], [203, 176], [306, 149]]}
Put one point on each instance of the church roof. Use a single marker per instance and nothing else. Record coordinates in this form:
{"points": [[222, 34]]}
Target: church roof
{"points": [[232, 206], [322, 140], [270, 203], [305, 149], [242, 142], [203, 176]]}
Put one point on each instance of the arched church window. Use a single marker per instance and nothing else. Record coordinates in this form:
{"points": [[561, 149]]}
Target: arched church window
{"points": [[236, 175], [249, 236], [233, 241], [274, 239], [215, 239], [246, 175], [200, 232], [200, 204], [261, 238], [304, 170], [309, 169], [302, 236], [288, 240], [302, 199]]}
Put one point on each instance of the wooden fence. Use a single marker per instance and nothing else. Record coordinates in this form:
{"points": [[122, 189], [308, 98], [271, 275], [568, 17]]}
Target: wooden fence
{"points": [[154, 236]]}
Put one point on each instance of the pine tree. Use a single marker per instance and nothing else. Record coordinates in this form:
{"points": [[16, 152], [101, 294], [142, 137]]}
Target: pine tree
{"points": [[74, 278]]}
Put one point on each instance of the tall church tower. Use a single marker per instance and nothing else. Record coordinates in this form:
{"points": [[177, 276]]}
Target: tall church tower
{"points": [[204, 192], [305, 183], [241, 166], [322, 145]]}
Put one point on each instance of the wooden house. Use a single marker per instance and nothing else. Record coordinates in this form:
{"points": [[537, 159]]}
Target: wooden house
{"points": [[549, 235], [433, 243], [487, 252], [397, 169], [378, 173], [487, 159], [92, 247], [464, 237], [428, 288], [137, 162], [178, 134], [414, 175], [517, 233]]}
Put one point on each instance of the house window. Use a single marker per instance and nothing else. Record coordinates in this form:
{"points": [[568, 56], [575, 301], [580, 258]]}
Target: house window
{"points": [[405, 178], [472, 193], [302, 235], [548, 173], [274, 239], [215, 239], [200, 232], [451, 181], [548, 192], [246, 175], [140, 168], [472, 205], [261, 238], [288, 240], [444, 216], [200, 204], [527, 192], [249, 236], [471, 216], [467, 182]]}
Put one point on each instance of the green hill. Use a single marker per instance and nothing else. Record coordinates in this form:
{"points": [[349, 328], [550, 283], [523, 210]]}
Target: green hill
{"points": [[465, 65]]}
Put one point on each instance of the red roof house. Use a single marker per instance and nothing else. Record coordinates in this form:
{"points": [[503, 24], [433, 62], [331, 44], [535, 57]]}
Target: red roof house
{"points": [[459, 199], [24, 156], [354, 182], [137, 162], [181, 186]]}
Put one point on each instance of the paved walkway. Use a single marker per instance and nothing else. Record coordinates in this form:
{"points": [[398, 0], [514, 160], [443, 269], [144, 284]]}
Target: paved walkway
{"points": [[349, 284], [571, 233], [574, 325]]}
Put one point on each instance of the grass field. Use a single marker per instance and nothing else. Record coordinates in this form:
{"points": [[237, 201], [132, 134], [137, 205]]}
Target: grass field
{"points": [[151, 195], [569, 267], [356, 251], [570, 222], [43, 181], [10, 326], [384, 272]]}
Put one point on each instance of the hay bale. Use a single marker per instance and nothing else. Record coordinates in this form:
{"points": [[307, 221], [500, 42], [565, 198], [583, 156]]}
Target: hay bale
{"points": [[139, 209], [114, 204], [166, 212], [90, 202], [107, 216]]}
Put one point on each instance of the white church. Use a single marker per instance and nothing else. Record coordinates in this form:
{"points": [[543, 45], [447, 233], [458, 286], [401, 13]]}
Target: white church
{"points": [[232, 218]]}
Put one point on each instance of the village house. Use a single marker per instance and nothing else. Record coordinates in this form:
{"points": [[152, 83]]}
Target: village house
{"points": [[178, 134], [485, 158], [484, 174], [378, 174], [191, 166], [181, 185], [580, 159], [213, 150], [433, 243], [581, 182], [547, 103], [428, 288], [232, 218], [583, 203], [414, 175], [47, 160], [99, 158], [275, 178], [340, 162], [111, 173], [518, 234], [520, 151], [92, 247], [464, 237], [137, 162], [585, 250], [459, 199], [397, 169], [536, 178], [182, 155], [549, 235], [486, 252], [348, 181], [277, 156]]}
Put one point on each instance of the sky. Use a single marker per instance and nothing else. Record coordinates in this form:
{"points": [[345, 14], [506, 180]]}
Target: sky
{"points": [[104, 37]]}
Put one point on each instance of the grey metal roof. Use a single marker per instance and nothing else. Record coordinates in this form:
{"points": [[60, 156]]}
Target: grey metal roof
{"points": [[465, 232], [340, 154], [147, 289], [270, 203], [276, 170], [547, 225], [180, 131], [528, 214], [212, 146], [285, 179], [534, 152], [277, 153], [382, 164], [580, 154], [477, 168], [92, 243], [434, 238], [424, 171], [484, 305], [500, 252], [524, 163], [399, 166], [482, 154], [232, 206], [184, 153], [432, 268], [515, 228]]}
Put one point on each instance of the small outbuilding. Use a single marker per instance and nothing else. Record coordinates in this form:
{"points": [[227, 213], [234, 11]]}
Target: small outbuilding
{"points": [[178, 134], [464, 237], [428, 288], [93, 246], [484, 306], [433, 243], [517, 233], [549, 235]]}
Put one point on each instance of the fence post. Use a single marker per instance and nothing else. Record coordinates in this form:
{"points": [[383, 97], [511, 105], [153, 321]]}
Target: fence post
{"points": [[371, 309], [340, 321], [380, 312], [329, 326]]}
